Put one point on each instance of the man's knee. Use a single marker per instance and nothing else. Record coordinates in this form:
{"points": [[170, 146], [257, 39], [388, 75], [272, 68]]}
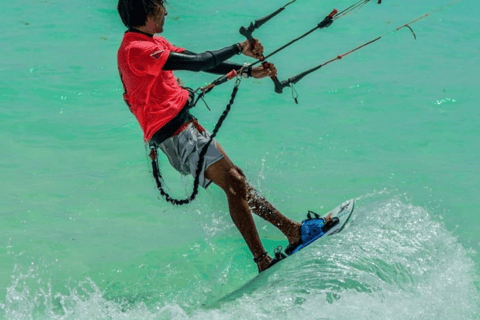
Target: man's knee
{"points": [[236, 184]]}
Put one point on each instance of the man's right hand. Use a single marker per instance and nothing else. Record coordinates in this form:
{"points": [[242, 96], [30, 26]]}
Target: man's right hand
{"points": [[255, 51], [262, 72]]}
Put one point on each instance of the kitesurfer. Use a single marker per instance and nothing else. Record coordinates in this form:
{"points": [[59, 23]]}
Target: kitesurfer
{"points": [[162, 108]]}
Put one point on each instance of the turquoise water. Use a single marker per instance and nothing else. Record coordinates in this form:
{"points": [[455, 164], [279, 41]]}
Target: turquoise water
{"points": [[394, 125]]}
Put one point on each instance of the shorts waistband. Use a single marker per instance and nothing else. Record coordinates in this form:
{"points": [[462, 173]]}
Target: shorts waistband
{"points": [[177, 124], [186, 124]]}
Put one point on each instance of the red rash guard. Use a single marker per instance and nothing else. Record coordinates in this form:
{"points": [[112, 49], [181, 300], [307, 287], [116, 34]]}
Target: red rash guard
{"points": [[153, 95]]}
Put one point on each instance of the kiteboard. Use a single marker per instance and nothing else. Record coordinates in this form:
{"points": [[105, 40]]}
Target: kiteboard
{"points": [[342, 212]]}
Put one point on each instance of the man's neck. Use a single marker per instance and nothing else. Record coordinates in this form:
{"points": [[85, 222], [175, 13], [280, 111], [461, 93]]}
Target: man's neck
{"points": [[142, 31]]}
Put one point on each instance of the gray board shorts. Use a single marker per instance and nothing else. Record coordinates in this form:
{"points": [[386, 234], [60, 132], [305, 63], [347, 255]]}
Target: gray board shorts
{"points": [[183, 152]]}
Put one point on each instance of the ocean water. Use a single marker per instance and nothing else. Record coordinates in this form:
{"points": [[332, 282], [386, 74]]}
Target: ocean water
{"points": [[395, 125]]}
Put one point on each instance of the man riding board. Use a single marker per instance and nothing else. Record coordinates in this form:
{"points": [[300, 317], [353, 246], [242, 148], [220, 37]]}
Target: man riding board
{"points": [[162, 108]]}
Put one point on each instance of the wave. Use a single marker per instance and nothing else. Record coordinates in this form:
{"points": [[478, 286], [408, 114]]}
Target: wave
{"points": [[393, 261]]}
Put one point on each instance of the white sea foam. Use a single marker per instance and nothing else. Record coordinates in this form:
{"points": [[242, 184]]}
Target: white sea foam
{"points": [[393, 261]]}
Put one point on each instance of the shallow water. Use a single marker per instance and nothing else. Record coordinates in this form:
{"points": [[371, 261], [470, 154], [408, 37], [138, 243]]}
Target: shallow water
{"points": [[394, 125]]}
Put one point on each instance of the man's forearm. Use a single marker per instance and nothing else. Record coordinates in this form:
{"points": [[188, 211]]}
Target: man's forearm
{"points": [[209, 61]]}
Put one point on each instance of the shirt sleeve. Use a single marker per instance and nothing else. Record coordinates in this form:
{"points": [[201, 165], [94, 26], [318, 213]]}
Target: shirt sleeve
{"points": [[171, 47], [149, 58], [177, 49]]}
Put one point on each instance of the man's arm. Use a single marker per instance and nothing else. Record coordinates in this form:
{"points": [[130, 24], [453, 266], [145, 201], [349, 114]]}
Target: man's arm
{"points": [[221, 69], [209, 61], [216, 61]]}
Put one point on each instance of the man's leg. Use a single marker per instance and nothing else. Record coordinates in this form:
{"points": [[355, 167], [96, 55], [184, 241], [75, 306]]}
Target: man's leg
{"points": [[227, 177], [265, 210]]}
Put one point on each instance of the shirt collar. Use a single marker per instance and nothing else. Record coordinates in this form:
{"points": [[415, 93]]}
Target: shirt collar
{"points": [[138, 31]]}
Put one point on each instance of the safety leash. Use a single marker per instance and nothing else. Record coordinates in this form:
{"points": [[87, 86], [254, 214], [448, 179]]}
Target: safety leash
{"points": [[154, 156]]}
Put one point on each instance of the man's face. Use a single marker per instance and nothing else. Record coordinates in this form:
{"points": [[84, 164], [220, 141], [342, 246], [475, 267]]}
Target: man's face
{"points": [[158, 18]]}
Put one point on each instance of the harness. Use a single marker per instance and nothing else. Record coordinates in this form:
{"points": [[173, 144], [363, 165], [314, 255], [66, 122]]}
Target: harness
{"points": [[154, 155]]}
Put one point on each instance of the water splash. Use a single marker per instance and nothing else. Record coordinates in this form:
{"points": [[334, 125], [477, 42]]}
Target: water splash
{"points": [[445, 101], [393, 261]]}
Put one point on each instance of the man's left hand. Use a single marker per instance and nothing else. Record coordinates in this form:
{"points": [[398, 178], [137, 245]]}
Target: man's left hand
{"points": [[261, 72], [252, 51]]}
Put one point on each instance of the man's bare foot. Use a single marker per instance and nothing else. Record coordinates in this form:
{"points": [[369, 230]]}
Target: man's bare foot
{"points": [[294, 234], [263, 264], [328, 218], [294, 237]]}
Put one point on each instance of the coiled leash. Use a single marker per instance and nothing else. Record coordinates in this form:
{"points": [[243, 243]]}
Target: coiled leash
{"points": [[154, 156]]}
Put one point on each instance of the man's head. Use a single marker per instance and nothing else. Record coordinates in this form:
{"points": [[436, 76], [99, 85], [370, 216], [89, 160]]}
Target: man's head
{"points": [[149, 14]]}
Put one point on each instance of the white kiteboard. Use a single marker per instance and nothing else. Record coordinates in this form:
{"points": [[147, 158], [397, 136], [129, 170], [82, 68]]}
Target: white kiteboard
{"points": [[343, 212]]}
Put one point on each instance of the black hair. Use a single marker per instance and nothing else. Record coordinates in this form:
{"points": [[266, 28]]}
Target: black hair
{"points": [[134, 13]]}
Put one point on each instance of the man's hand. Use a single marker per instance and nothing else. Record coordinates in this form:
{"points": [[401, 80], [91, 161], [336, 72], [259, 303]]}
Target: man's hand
{"points": [[261, 72], [252, 51], [256, 52]]}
